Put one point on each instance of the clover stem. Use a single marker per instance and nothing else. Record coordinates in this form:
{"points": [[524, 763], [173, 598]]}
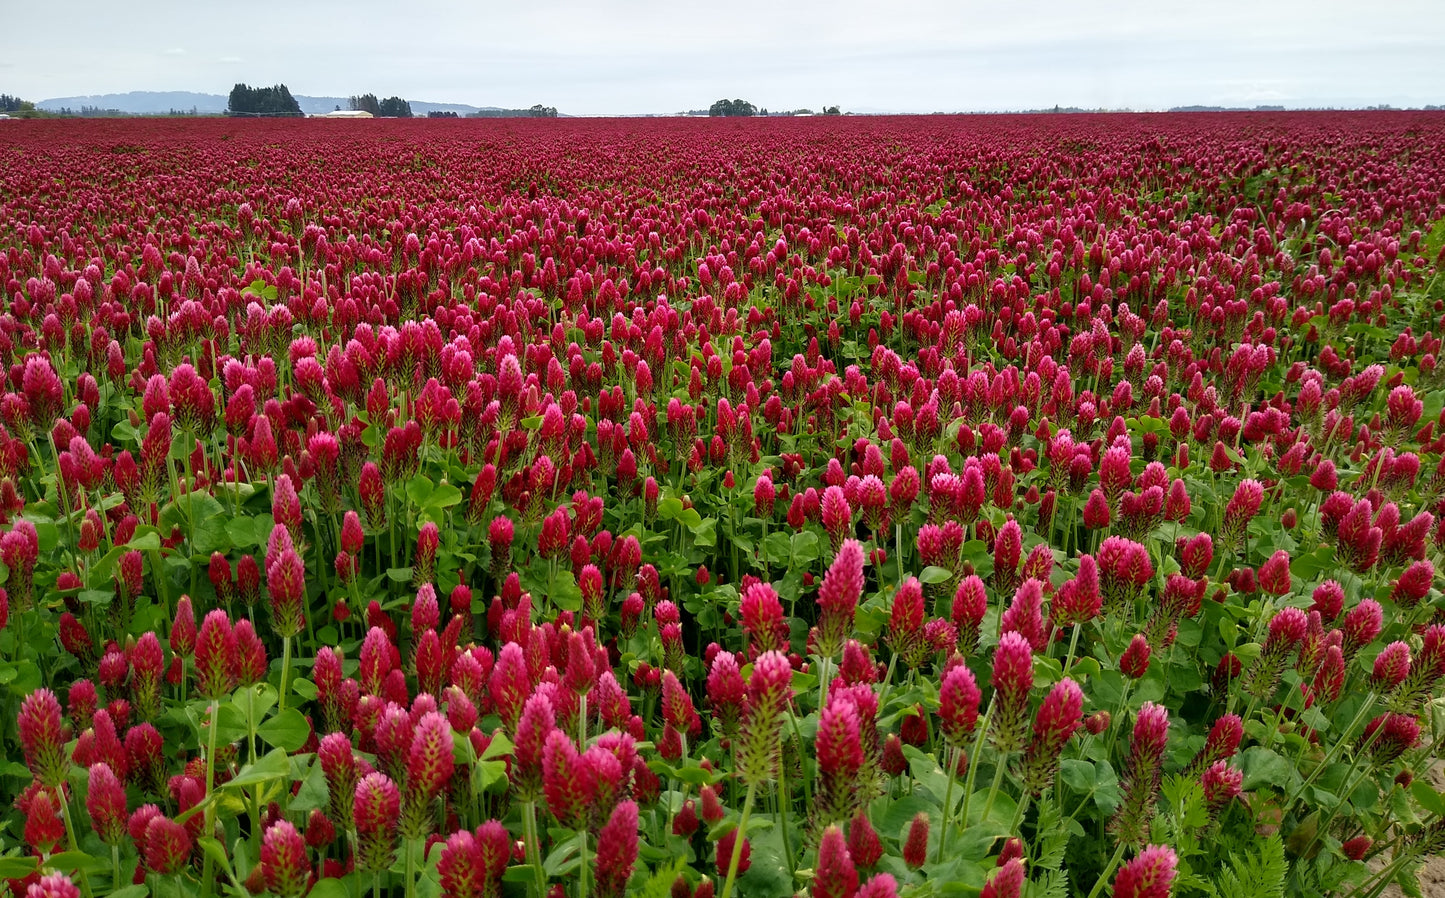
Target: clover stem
{"points": [[738, 841]]}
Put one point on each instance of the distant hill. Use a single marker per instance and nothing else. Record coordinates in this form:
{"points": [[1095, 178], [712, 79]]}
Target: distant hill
{"points": [[151, 102]]}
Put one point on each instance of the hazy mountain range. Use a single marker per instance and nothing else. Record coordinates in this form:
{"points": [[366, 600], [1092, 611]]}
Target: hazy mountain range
{"points": [[151, 102]]}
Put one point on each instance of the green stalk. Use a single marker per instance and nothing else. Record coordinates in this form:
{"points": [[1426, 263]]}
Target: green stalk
{"points": [[738, 841], [208, 884], [950, 760], [582, 858], [1073, 646], [973, 763], [1104, 877], [285, 670], [999, 766], [533, 846], [410, 868]]}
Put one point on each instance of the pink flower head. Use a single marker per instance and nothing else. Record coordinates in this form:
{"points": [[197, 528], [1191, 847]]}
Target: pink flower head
{"points": [[1274, 574], [1142, 774], [769, 693], [836, 876], [376, 809], [1007, 551], [1391, 668], [837, 516], [1221, 784], [105, 802], [838, 598], [283, 857], [763, 619], [864, 845], [216, 656], [617, 845], [429, 761], [905, 623], [53, 885], [1058, 717], [915, 844], [1150, 874], [1007, 881], [1134, 663], [1025, 615], [167, 845], [286, 583], [1389, 736], [970, 605], [1013, 678], [43, 736], [958, 700]]}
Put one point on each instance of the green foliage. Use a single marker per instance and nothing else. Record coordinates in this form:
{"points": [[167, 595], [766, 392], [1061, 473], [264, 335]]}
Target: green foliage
{"points": [[1253, 875]]}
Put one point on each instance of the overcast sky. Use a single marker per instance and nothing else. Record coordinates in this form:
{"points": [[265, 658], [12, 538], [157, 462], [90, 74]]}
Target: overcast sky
{"points": [[654, 56]]}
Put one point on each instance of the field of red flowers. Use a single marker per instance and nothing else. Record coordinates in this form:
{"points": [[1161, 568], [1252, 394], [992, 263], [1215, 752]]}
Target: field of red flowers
{"points": [[1025, 506]]}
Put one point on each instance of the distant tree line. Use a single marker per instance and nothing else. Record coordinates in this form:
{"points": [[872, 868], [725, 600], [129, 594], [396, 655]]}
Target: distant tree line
{"points": [[538, 111], [728, 108], [442, 113], [391, 107], [247, 100]]}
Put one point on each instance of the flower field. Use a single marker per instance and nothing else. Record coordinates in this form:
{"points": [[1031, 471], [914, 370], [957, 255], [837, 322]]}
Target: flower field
{"points": [[1017, 506]]}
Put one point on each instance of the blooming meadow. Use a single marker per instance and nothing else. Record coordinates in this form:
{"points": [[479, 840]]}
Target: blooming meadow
{"points": [[1017, 506]]}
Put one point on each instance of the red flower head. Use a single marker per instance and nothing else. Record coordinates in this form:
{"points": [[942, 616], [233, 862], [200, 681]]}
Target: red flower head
{"points": [[376, 809], [1013, 677], [726, 692], [882, 885], [1134, 663], [836, 876], [970, 605], [1274, 574], [460, 866], [1143, 772], [105, 802], [1096, 511], [1007, 881], [167, 845], [532, 729], [1025, 615], [1221, 784], [339, 767], [763, 619], [905, 623], [1059, 716], [958, 700], [837, 516], [286, 583], [283, 857], [43, 736], [216, 656], [1361, 625], [1149, 875], [1392, 666], [1389, 736], [838, 598], [769, 693], [183, 629], [864, 846], [617, 845], [1007, 552], [915, 845], [429, 762], [43, 827], [839, 750]]}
